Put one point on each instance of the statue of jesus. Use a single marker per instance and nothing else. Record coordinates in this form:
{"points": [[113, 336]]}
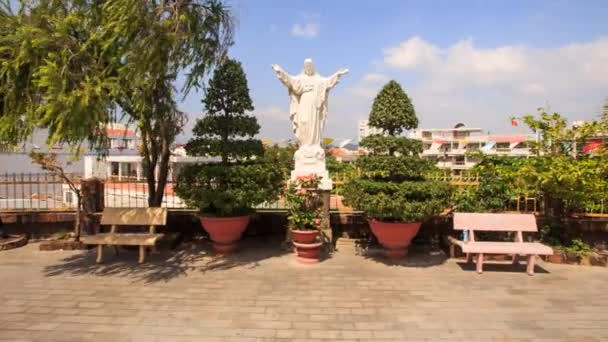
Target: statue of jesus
{"points": [[308, 112], [308, 106]]}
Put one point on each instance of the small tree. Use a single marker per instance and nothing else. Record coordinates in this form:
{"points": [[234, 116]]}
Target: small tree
{"points": [[49, 162], [393, 185], [71, 66], [242, 177]]}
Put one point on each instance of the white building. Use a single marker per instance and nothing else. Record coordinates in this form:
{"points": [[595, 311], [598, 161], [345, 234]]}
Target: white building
{"points": [[366, 130], [448, 146]]}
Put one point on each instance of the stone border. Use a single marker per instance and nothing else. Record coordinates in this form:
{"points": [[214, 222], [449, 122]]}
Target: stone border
{"points": [[14, 241], [66, 245]]}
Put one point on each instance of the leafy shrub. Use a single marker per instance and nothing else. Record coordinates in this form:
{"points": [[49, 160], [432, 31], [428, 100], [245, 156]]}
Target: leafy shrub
{"points": [[579, 248], [304, 203], [392, 185], [244, 176]]}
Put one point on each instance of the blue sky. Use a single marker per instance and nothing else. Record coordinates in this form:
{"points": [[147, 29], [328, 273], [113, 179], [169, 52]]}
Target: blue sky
{"points": [[477, 62], [473, 61]]}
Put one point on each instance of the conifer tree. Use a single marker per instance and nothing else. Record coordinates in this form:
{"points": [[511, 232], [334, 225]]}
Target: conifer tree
{"points": [[242, 177]]}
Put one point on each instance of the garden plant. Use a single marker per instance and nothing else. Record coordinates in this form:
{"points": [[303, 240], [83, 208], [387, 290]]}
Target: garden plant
{"points": [[393, 189], [304, 210], [240, 176]]}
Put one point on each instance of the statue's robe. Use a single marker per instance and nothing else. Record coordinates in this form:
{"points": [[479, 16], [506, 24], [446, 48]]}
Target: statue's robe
{"points": [[308, 105]]}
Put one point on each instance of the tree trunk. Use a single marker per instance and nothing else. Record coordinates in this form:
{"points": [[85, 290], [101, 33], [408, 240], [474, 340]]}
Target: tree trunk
{"points": [[77, 221], [163, 172], [151, 181]]}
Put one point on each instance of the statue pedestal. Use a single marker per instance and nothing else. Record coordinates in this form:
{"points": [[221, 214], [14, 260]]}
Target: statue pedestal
{"points": [[311, 160]]}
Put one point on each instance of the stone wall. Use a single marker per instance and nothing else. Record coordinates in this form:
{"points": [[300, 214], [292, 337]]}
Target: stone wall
{"points": [[350, 225]]}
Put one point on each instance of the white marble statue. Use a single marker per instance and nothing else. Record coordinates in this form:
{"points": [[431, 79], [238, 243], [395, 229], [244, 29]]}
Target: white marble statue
{"points": [[308, 112]]}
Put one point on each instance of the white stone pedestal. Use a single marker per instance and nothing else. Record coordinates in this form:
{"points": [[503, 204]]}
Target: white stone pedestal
{"points": [[311, 160]]}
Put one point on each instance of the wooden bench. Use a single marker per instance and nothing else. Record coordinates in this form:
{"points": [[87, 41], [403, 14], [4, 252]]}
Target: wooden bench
{"points": [[117, 217], [518, 223]]}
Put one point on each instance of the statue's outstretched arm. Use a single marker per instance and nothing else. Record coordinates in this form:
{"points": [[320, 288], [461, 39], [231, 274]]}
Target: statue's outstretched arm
{"points": [[333, 79], [283, 77]]}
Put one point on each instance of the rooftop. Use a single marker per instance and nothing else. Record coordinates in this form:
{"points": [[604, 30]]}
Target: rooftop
{"points": [[264, 295]]}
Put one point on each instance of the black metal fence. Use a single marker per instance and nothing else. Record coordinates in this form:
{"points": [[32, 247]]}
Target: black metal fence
{"points": [[35, 191], [45, 191]]}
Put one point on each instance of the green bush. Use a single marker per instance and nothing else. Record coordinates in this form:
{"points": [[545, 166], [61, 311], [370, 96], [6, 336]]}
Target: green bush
{"points": [[393, 184], [244, 175], [304, 203]]}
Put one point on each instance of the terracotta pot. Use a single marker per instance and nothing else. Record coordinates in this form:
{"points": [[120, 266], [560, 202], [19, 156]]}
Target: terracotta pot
{"points": [[307, 246], [225, 232], [394, 236], [585, 260], [599, 259], [557, 257], [308, 253], [304, 236], [572, 258]]}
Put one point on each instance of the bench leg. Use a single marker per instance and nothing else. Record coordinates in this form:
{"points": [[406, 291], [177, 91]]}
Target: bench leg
{"points": [[142, 254], [480, 263], [515, 259], [469, 258], [99, 254], [115, 250], [531, 260]]}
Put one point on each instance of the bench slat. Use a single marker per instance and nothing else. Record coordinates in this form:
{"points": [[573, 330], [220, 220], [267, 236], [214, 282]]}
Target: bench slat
{"points": [[522, 248], [127, 239], [495, 222], [134, 216]]}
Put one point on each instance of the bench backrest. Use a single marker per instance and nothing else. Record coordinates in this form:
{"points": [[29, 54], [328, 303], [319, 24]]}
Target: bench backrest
{"points": [[495, 222], [134, 216]]}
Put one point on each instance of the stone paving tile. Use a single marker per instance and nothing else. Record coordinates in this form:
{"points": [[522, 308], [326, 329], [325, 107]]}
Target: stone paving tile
{"points": [[264, 295]]}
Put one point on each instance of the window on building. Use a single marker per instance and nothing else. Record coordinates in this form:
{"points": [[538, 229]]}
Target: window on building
{"points": [[502, 146], [114, 168], [69, 197]]}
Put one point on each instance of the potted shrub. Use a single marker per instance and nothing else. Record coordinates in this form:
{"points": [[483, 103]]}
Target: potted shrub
{"points": [[393, 189], [304, 210], [579, 253], [238, 176], [558, 256]]}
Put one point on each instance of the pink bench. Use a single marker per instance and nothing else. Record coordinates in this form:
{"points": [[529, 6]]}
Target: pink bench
{"points": [[518, 223]]}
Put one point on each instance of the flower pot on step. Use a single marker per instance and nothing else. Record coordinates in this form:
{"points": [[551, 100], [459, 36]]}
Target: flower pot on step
{"points": [[307, 245], [396, 237], [225, 232], [304, 236]]}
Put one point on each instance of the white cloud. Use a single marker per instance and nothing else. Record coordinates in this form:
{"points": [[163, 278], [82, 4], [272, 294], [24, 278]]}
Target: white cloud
{"points": [[483, 86], [369, 85], [411, 54], [376, 77], [272, 112], [308, 28]]}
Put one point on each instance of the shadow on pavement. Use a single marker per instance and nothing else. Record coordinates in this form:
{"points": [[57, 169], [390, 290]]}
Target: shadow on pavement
{"points": [[501, 267], [196, 256], [418, 256]]}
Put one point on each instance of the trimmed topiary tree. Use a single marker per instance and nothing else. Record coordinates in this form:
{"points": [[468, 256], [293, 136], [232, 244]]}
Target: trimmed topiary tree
{"points": [[242, 177], [393, 189]]}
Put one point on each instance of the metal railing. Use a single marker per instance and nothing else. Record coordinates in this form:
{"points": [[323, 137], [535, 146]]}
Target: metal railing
{"points": [[35, 191], [45, 191], [133, 193]]}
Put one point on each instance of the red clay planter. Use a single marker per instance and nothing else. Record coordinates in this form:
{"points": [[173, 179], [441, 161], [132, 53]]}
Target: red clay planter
{"points": [[307, 246], [394, 236], [225, 232]]}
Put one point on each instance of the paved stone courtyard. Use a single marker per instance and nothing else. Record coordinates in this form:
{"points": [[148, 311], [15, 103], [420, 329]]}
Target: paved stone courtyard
{"points": [[264, 295]]}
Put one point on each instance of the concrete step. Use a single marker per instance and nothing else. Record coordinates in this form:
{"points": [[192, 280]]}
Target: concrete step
{"points": [[346, 246]]}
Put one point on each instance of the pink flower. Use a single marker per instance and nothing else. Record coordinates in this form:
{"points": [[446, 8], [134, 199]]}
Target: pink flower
{"points": [[301, 191]]}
